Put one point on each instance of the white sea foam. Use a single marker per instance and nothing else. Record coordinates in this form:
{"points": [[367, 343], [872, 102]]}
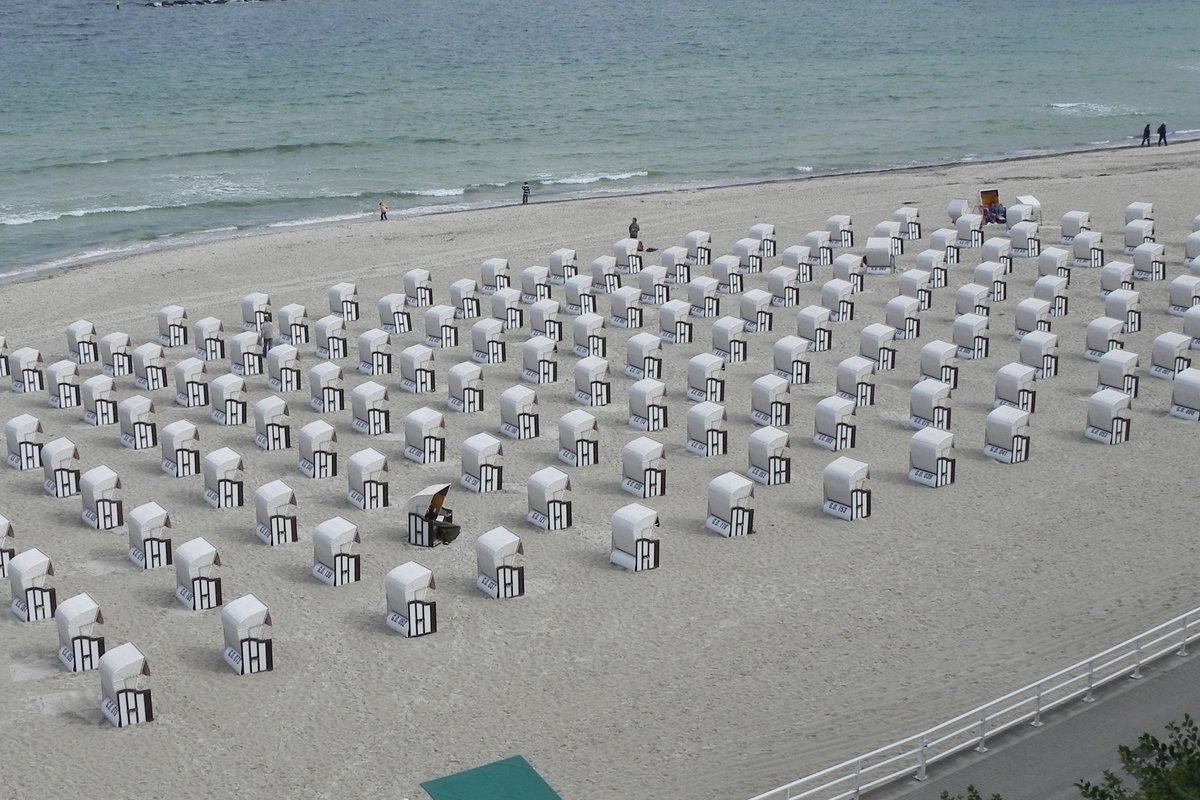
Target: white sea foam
{"points": [[1093, 110], [434, 192], [49, 216], [296, 223], [206, 188], [591, 177], [802, 168]]}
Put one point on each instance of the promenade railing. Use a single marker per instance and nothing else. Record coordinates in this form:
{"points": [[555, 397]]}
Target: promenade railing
{"points": [[911, 757]]}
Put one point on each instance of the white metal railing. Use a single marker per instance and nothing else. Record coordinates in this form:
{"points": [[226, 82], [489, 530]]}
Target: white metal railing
{"points": [[910, 757]]}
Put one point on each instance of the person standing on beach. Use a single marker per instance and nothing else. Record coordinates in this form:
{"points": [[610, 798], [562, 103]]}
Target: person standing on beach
{"points": [[1146, 136], [634, 229], [266, 332], [1162, 134], [525, 191], [382, 211]]}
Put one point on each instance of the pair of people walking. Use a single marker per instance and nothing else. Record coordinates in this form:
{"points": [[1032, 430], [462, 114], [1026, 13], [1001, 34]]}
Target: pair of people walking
{"points": [[1162, 135]]}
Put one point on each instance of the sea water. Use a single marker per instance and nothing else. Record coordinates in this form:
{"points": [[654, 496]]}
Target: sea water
{"points": [[124, 129]]}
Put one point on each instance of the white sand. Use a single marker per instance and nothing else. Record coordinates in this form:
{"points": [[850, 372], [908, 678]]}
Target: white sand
{"points": [[739, 664]]}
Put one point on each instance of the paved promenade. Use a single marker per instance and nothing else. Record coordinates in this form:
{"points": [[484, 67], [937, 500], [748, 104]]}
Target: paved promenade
{"points": [[1076, 743]]}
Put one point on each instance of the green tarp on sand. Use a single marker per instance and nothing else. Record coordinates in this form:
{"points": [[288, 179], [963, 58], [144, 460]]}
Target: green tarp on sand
{"points": [[510, 779]]}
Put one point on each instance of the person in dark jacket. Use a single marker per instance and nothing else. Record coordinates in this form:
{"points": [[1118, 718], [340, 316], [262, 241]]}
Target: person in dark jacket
{"points": [[1162, 134], [1146, 136], [267, 333]]}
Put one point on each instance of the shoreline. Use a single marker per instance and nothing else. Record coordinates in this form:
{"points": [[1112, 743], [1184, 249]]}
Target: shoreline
{"points": [[171, 243]]}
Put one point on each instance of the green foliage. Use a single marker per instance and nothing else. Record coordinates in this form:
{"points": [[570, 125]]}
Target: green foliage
{"points": [[1164, 770], [972, 794]]}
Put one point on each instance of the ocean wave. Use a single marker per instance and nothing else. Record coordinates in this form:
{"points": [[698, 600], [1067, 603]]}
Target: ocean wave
{"points": [[189, 189], [802, 168], [433, 192], [591, 177], [1093, 110], [204, 200], [49, 216], [296, 223], [275, 149], [244, 150]]}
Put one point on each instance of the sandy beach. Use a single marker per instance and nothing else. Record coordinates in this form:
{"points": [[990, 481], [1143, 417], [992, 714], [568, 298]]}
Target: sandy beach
{"points": [[740, 663]]}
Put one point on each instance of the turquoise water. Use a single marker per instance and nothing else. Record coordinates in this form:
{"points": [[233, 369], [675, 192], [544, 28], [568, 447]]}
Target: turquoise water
{"points": [[143, 127]]}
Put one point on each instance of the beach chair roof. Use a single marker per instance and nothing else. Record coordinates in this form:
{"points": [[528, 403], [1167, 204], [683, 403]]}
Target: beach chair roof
{"points": [[483, 444], [429, 500], [245, 617], [27, 569], [101, 477], [409, 581], [640, 451], [332, 537], [767, 441], [576, 421], [549, 479], [76, 615], [54, 452], [189, 367], [222, 459], [62, 371], [192, 557], [497, 544], [120, 668], [22, 424], [931, 442], [634, 518], [1004, 420], [647, 389], [145, 520], [271, 495]]}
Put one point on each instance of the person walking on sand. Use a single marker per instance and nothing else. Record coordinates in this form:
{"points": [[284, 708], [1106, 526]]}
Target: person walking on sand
{"points": [[525, 191], [382, 211], [634, 229], [1162, 134], [1146, 136]]}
